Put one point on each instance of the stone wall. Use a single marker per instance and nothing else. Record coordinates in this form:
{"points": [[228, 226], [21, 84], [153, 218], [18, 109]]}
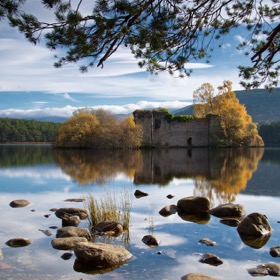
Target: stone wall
{"points": [[159, 132]]}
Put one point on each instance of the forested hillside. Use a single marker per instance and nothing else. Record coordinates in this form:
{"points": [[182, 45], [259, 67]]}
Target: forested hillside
{"points": [[15, 130]]}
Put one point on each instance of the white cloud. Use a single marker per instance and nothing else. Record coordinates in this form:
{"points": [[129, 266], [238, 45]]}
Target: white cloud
{"points": [[67, 111]]}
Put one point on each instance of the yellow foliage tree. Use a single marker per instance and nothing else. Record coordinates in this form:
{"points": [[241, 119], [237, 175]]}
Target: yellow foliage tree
{"points": [[98, 129], [237, 124]]}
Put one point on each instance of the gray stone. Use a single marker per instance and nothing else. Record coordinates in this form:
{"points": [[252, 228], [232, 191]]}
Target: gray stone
{"points": [[150, 240], [18, 242], [82, 213], [67, 243], [275, 251], [272, 269], [73, 232], [18, 203], [101, 254], [197, 276], [70, 220], [211, 259], [194, 204], [207, 242], [228, 210], [254, 225], [168, 210]]}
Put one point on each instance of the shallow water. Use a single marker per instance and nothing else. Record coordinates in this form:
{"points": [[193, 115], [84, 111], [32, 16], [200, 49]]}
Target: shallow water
{"points": [[47, 177]]}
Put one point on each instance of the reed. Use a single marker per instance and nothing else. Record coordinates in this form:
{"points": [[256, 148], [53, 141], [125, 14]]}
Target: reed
{"points": [[109, 207]]}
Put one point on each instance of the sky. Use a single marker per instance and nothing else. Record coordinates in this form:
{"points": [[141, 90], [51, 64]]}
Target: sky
{"points": [[31, 86]]}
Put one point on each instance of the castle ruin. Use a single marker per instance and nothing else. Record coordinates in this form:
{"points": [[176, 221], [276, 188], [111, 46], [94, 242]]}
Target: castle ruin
{"points": [[160, 131]]}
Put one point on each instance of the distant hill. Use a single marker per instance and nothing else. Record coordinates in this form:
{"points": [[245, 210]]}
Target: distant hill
{"points": [[262, 105]]}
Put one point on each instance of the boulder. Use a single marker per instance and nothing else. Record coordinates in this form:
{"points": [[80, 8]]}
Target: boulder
{"points": [[18, 242], [211, 259], [61, 212], [150, 240], [73, 232], [112, 228], [67, 243], [197, 276], [19, 203], [101, 254], [275, 251], [228, 210], [194, 204], [254, 225], [272, 269], [168, 210], [73, 221]]}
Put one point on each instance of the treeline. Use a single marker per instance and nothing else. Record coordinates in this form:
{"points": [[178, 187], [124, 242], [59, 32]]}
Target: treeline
{"points": [[16, 130], [270, 133]]}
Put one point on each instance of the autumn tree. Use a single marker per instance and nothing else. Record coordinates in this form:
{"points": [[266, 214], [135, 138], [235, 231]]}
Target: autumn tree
{"points": [[162, 34], [98, 129], [237, 124]]}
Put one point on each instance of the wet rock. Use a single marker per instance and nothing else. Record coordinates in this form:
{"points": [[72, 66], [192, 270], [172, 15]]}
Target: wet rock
{"points": [[18, 242], [194, 204], [168, 210], [211, 259], [230, 222], [73, 232], [61, 212], [68, 220], [228, 210], [254, 225], [150, 240], [170, 196], [66, 243], [197, 276], [66, 256], [272, 269], [74, 200], [139, 194], [46, 232], [207, 242], [101, 254], [112, 228], [18, 203], [275, 251]]}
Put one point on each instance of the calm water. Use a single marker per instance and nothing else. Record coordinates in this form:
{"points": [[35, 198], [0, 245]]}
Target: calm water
{"points": [[47, 177]]}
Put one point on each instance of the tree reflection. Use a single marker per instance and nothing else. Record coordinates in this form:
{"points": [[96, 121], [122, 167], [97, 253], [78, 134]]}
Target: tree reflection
{"points": [[220, 173], [97, 166], [236, 170]]}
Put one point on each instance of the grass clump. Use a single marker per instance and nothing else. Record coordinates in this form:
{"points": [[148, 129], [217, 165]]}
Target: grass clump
{"points": [[109, 207]]}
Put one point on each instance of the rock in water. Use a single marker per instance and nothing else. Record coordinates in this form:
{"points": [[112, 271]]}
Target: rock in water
{"points": [[168, 210], [254, 225], [67, 243], [18, 242], [207, 242], [194, 204], [150, 240], [101, 254], [73, 232], [82, 213], [19, 203], [211, 259], [272, 269], [197, 276], [228, 210]]}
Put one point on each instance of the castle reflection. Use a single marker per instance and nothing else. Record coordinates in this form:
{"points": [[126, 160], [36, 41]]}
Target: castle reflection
{"points": [[220, 173]]}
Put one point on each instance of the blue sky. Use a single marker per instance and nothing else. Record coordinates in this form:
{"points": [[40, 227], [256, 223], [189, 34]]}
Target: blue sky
{"points": [[30, 85]]}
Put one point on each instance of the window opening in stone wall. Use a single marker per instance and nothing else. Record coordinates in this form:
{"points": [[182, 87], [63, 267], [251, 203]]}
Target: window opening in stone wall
{"points": [[190, 141], [157, 123]]}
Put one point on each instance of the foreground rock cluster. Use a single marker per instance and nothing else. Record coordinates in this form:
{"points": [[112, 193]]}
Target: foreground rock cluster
{"points": [[92, 257]]}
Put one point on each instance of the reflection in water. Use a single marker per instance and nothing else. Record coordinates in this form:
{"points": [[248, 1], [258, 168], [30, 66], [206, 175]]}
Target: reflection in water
{"points": [[237, 168], [98, 166], [223, 172]]}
